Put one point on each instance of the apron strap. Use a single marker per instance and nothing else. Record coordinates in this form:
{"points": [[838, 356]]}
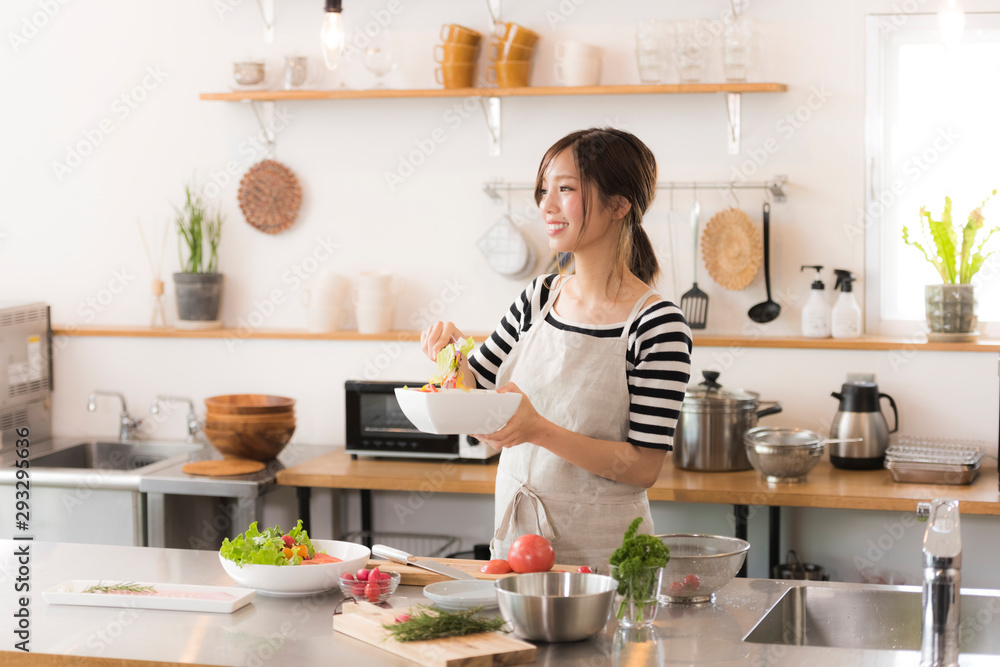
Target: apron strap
{"points": [[635, 312], [554, 292], [541, 516]]}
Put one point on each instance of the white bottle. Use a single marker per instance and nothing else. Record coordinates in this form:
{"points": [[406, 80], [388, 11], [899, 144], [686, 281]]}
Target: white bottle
{"points": [[816, 312], [846, 317]]}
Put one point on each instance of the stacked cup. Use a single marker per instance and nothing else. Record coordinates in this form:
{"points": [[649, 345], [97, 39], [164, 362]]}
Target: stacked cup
{"points": [[578, 64], [456, 55], [375, 303], [324, 300], [510, 55]]}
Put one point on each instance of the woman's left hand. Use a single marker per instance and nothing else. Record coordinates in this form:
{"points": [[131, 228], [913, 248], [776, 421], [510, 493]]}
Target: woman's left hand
{"points": [[524, 426]]}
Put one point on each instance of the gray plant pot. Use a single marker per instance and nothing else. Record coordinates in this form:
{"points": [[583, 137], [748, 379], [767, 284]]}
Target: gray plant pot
{"points": [[199, 296], [951, 309]]}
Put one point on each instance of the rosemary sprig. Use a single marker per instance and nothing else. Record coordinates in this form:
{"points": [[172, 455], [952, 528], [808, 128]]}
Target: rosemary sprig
{"points": [[101, 587], [427, 623]]}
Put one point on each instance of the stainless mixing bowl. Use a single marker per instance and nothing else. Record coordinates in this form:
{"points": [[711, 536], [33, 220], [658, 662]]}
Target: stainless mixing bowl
{"points": [[783, 454], [556, 606]]}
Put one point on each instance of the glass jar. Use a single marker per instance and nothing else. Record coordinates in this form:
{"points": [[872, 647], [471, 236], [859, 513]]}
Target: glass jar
{"points": [[636, 601]]}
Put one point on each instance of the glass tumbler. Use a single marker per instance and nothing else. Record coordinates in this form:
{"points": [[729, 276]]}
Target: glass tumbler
{"points": [[636, 608], [652, 44], [737, 49], [690, 49], [296, 71]]}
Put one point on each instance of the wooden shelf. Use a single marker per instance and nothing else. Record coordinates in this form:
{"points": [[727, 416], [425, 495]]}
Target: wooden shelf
{"points": [[531, 91], [863, 343]]}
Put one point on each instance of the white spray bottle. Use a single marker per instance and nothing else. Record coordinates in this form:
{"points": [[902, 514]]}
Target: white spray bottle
{"points": [[816, 312], [846, 317]]}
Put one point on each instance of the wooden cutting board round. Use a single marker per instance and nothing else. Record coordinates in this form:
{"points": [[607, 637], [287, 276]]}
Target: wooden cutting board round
{"points": [[222, 468]]}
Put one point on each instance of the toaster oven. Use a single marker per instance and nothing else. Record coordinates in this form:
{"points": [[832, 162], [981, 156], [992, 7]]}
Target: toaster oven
{"points": [[376, 426]]}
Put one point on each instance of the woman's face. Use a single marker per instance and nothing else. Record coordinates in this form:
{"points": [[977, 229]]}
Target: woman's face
{"points": [[561, 207]]}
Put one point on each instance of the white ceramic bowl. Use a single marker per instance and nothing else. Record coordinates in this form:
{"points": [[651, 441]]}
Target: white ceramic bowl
{"points": [[454, 411], [463, 594], [292, 580]]}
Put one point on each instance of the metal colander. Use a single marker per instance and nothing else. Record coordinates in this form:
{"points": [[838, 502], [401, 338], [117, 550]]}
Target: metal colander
{"points": [[699, 566]]}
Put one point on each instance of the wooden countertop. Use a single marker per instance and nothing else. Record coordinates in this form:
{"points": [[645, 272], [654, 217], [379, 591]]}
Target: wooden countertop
{"points": [[826, 486]]}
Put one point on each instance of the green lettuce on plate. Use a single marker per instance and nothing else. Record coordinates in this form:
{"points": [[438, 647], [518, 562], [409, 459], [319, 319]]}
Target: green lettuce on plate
{"points": [[256, 547]]}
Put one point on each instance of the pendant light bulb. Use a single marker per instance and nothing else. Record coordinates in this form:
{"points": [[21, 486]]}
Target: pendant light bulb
{"points": [[951, 20], [332, 34]]}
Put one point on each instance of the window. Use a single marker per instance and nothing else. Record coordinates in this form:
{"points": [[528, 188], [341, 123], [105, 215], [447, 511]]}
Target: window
{"points": [[932, 129]]}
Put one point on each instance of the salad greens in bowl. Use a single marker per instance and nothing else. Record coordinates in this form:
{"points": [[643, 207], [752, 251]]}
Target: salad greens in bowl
{"points": [[289, 564]]}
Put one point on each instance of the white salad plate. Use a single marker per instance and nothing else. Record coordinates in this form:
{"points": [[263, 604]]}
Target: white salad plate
{"points": [[166, 597], [464, 594], [456, 411], [295, 580]]}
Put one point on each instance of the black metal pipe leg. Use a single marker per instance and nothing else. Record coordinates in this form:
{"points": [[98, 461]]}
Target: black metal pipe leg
{"points": [[740, 513], [774, 539], [366, 517], [303, 494]]}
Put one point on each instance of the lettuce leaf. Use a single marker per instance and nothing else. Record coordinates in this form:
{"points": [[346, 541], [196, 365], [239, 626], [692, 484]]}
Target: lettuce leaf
{"points": [[255, 547]]}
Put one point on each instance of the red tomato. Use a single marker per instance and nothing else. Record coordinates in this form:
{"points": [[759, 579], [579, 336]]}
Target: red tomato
{"points": [[373, 591], [531, 553], [676, 589], [362, 574], [495, 566], [692, 582], [583, 569], [288, 540]]}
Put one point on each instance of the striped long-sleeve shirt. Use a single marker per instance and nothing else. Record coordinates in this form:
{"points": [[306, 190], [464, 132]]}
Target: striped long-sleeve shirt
{"points": [[658, 360]]}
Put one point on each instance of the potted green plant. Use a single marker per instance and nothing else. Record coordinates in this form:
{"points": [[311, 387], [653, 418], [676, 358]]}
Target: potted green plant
{"points": [[951, 307], [199, 284]]}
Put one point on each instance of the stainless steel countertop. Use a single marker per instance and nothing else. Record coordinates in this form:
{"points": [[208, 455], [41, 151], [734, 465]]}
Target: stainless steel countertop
{"points": [[298, 631]]}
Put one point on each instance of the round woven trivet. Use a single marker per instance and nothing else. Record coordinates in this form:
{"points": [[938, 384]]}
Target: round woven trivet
{"points": [[270, 196], [732, 249], [214, 468]]}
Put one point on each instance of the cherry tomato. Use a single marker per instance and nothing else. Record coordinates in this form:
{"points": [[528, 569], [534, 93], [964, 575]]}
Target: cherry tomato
{"points": [[495, 566], [288, 540], [373, 591], [287, 553], [362, 574], [692, 582], [583, 569], [302, 550], [676, 589], [531, 553]]}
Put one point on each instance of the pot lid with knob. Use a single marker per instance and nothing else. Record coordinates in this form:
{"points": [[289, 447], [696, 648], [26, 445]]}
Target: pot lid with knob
{"points": [[710, 394]]}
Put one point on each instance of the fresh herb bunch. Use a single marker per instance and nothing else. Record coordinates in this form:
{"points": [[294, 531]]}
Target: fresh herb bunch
{"points": [[200, 231], [128, 587], [427, 623], [633, 560], [956, 260]]}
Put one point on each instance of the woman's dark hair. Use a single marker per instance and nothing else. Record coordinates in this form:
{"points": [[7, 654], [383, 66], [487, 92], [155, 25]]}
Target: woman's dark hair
{"points": [[616, 164]]}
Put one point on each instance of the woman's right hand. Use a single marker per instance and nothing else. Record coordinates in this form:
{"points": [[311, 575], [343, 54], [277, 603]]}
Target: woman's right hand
{"points": [[436, 336]]}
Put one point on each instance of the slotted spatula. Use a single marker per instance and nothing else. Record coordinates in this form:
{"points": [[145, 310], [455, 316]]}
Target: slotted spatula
{"points": [[694, 302]]}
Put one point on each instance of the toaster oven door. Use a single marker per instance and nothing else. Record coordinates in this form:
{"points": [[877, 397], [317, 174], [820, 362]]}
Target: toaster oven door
{"points": [[377, 426]]}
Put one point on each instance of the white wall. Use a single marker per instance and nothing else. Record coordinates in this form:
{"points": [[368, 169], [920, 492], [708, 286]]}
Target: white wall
{"points": [[65, 237]]}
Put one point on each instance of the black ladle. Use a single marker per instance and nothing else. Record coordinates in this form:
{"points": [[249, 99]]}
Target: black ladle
{"points": [[768, 310]]}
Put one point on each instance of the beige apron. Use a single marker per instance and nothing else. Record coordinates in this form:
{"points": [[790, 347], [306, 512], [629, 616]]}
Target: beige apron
{"points": [[576, 381]]}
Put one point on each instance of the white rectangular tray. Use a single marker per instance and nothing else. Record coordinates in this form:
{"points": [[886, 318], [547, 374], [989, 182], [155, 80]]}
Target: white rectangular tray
{"points": [[168, 597]]}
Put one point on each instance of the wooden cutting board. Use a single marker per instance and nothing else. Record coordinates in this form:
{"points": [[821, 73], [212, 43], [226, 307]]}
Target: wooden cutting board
{"points": [[364, 621], [411, 575]]}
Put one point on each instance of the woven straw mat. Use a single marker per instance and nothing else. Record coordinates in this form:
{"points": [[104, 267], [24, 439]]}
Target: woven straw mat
{"points": [[732, 249], [270, 196]]}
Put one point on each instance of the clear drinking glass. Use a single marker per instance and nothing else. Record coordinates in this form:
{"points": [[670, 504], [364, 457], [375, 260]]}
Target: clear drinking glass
{"points": [[378, 56], [737, 49], [653, 40], [637, 607], [690, 49], [296, 71]]}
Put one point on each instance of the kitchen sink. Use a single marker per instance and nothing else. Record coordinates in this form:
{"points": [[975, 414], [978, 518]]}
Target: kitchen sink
{"points": [[869, 617], [106, 455]]}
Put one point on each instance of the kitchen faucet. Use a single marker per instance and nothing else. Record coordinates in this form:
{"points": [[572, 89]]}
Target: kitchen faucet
{"points": [[193, 425], [129, 427], [942, 552]]}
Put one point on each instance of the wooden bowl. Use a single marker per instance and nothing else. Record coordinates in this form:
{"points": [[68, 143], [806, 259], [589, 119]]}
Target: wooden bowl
{"points": [[224, 418], [248, 404], [262, 446], [248, 428]]}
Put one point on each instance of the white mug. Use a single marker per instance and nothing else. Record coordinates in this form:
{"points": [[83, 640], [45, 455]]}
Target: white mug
{"points": [[322, 320], [579, 72], [375, 320], [572, 50], [374, 281]]}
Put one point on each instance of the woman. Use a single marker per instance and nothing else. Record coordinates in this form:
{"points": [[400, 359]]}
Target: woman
{"points": [[600, 359]]}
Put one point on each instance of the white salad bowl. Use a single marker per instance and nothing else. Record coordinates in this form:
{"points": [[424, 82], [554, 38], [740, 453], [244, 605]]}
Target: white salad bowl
{"points": [[456, 411], [292, 580]]}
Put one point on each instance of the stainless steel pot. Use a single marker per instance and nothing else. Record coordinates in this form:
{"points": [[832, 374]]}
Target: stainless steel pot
{"points": [[709, 432]]}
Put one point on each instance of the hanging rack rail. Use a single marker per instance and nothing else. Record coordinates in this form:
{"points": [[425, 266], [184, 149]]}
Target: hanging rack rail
{"points": [[776, 186]]}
